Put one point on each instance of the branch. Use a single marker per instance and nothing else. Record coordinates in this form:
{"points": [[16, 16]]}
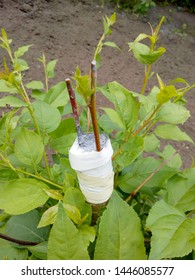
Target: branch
{"points": [[151, 175], [20, 242], [92, 106]]}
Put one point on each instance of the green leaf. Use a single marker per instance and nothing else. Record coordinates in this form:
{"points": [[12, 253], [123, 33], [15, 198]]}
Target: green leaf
{"points": [[22, 195], [181, 191], [83, 84], [8, 252], [20, 65], [21, 51], [111, 44], [129, 152], [35, 85], [151, 143], [120, 236], [48, 217], [50, 68], [125, 104], [28, 147], [144, 54], [12, 101], [6, 86], [88, 234], [65, 127], [173, 235], [166, 93], [173, 132], [140, 171], [57, 95], [167, 153], [63, 144], [75, 198], [7, 174], [107, 124], [65, 241], [115, 118], [173, 113], [40, 250], [47, 116], [24, 227]]}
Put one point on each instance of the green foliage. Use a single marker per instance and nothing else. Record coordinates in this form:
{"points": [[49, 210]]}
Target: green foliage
{"points": [[40, 198], [118, 234]]}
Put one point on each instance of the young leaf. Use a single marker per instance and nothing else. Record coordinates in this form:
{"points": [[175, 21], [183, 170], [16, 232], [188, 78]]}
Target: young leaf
{"points": [[83, 84], [173, 132], [28, 147], [65, 241], [120, 236], [20, 65], [24, 227], [75, 197], [21, 51], [144, 54], [50, 68], [48, 217], [22, 195], [173, 235], [166, 93], [181, 191], [111, 44]]}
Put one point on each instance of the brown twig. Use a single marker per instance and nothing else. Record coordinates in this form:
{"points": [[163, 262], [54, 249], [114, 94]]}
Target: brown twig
{"points": [[151, 175], [20, 242], [74, 106], [92, 106]]}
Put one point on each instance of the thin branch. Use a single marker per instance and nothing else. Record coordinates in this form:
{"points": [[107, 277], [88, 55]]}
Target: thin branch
{"points": [[74, 106], [20, 242], [92, 106], [151, 175]]}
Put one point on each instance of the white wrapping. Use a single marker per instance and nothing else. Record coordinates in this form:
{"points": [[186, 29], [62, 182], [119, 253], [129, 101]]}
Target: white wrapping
{"points": [[95, 172]]}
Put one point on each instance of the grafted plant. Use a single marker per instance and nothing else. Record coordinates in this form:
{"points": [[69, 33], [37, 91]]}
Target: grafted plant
{"points": [[42, 207]]}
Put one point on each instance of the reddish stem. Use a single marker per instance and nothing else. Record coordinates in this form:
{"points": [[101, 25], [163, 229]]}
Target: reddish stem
{"points": [[74, 106]]}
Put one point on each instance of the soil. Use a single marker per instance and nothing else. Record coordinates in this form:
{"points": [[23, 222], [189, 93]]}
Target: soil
{"points": [[68, 30]]}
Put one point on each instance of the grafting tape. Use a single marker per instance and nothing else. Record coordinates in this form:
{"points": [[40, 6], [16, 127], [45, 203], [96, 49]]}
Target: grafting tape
{"points": [[94, 170]]}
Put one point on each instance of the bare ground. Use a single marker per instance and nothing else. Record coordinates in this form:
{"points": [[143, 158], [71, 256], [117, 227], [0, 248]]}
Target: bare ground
{"points": [[68, 30]]}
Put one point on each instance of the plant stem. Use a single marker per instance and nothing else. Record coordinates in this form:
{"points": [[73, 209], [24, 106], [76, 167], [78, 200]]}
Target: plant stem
{"points": [[74, 106], [146, 122], [16, 170], [92, 106], [146, 78], [20, 242], [151, 175]]}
